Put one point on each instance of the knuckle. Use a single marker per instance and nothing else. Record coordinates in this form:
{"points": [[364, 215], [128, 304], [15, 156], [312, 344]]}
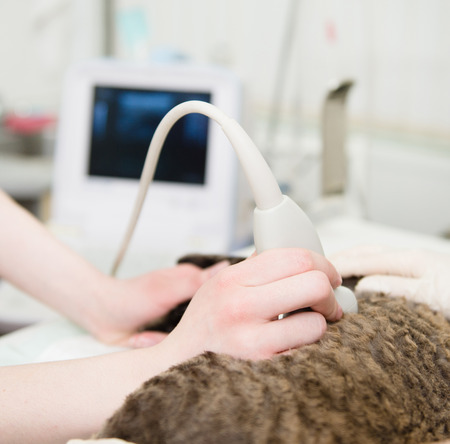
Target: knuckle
{"points": [[241, 307], [317, 325], [320, 284], [304, 259], [321, 325], [234, 311], [234, 303], [224, 281]]}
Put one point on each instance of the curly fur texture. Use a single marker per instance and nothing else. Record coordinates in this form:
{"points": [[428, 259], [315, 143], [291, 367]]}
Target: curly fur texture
{"points": [[379, 376]]}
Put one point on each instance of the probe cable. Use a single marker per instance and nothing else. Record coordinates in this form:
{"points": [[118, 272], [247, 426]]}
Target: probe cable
{"points": [[266, 191]]}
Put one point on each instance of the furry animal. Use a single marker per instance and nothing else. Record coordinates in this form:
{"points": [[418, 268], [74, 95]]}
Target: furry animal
{"points": [[379, 376]]}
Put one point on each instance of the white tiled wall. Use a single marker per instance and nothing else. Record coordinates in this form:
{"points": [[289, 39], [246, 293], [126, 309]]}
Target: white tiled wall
{"points": [[397, 51]]}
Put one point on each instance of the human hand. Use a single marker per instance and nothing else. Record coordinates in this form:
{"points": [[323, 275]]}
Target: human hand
{"points": [[127, 305], [236, 311], [420, 276]]}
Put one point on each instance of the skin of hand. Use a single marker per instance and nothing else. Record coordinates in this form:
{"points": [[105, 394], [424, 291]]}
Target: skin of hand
{"points": [[124, 306], [419, 275], [234, 312], [109, 308]]}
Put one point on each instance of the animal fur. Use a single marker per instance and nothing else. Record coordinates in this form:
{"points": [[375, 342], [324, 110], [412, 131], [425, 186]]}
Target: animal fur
{"points": [[379, 376]]}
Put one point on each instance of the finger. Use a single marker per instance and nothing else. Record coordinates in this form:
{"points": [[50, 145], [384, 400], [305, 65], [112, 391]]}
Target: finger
{"points": [[277, 264], [383, 263], [144, 339], [394, 286], [294, 331], [211, 271], [307, 290], [186, 279]]}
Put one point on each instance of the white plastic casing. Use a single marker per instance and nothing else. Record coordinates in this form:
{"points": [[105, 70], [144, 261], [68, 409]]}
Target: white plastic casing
{"points": [[177, 217], [278, 221], [286, 225]]}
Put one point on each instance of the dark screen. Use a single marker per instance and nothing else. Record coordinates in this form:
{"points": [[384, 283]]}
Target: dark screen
{"points": [[123, 123]]}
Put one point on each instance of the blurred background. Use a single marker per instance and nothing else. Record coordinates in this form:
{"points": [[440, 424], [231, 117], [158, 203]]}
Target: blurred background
{"points": [[381, 66], [348, 100]]}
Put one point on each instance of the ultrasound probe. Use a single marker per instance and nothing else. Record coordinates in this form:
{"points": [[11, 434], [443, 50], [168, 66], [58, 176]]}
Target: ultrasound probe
{"points": [[278, 221]]}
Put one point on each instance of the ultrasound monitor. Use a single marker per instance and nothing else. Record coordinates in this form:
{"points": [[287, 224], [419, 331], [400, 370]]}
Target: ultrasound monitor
{"points": [[123, 123], [197, 201]]}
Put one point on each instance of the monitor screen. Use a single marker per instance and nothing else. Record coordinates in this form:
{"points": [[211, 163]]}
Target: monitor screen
{"points": [[123, 123]]}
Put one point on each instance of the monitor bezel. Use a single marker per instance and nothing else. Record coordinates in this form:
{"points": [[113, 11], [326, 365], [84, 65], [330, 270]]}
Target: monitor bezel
{"points": [[102, 205]]}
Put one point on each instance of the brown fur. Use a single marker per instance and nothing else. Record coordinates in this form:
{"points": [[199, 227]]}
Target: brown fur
{"points": [[379, 376]]}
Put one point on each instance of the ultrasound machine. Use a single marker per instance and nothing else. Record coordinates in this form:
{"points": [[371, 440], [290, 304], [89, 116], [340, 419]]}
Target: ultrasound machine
{"points": [[110, 111], [198, 201]]}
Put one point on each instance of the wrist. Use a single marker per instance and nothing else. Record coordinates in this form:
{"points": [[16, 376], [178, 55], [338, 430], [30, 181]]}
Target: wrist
{"points": [[99, 308]]}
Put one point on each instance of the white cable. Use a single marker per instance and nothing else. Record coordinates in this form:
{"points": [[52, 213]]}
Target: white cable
{"points": [[266, 191], [278, 220]]}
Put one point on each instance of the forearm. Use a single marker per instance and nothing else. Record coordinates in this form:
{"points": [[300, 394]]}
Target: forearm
{"points": [[53, 402], [36, 262]]}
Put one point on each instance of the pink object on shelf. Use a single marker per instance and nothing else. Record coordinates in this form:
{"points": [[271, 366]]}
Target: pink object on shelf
{"points": [[27, 125]]}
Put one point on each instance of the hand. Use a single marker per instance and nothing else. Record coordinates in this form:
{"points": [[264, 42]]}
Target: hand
{"points": [[111, 309], [420, 276], [127, 305], [236, 311]]}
